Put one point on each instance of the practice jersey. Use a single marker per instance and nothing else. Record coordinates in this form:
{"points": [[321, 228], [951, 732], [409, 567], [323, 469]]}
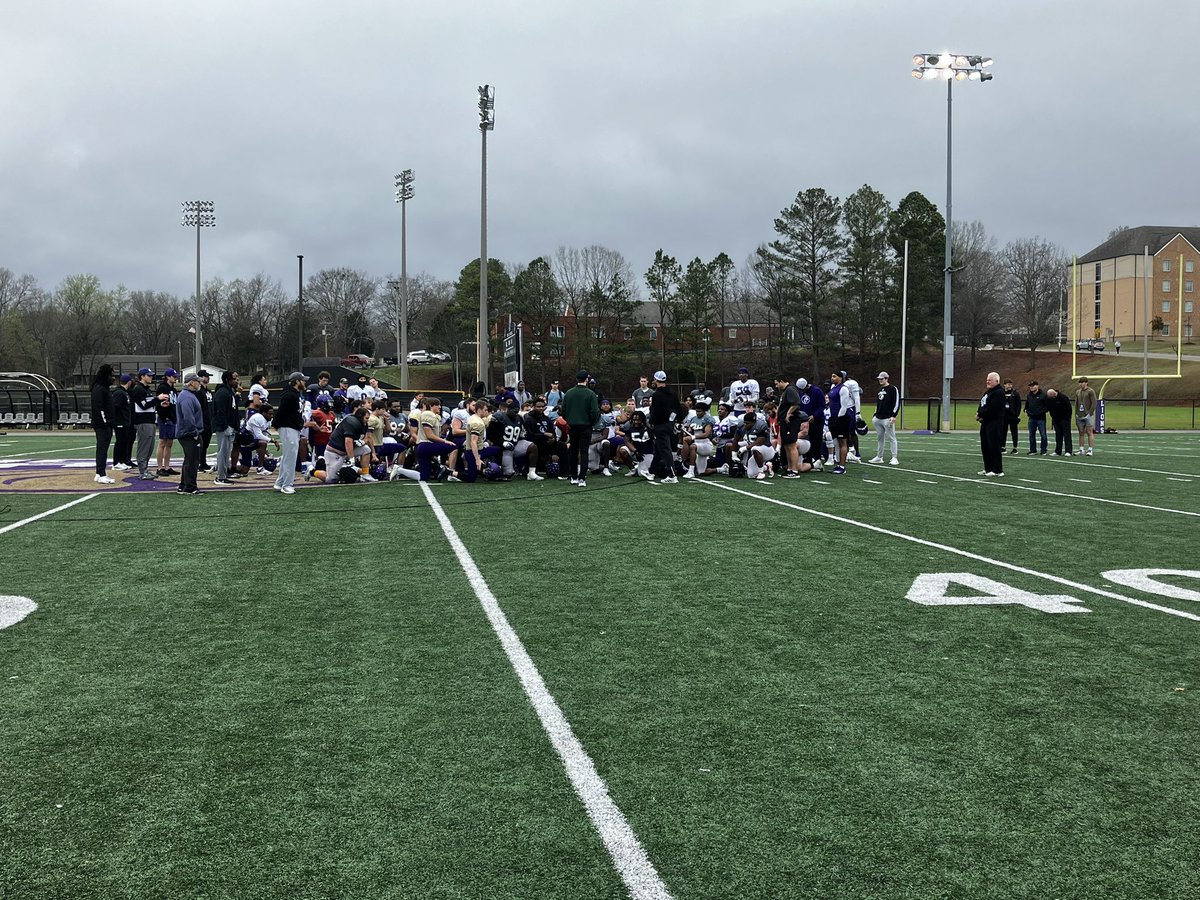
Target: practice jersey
{"points": [[697, 425], [759, 433], [428, 421], [607, 424], [741, 391], [640, 437], [727, 430]]}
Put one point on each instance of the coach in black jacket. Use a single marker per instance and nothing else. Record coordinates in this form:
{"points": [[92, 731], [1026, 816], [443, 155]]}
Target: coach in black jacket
{"points": [[289, 419], [665, 413], [1058, 406], [991, 427], [102, 419], [225, 422]]}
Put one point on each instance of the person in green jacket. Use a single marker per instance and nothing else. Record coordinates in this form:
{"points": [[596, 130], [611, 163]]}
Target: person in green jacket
{"points": [[581, 410]]}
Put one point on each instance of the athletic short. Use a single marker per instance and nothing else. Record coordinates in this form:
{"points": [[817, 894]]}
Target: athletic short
{"points": [[840, 427], [1085, 422], [788, 433], [703, 448], [166, 431]]}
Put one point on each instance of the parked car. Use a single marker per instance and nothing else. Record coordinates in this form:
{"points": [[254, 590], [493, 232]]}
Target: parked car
{"points": [[356, 360], [419, 357], [387, 361], [1089, 345], [439, 356]]}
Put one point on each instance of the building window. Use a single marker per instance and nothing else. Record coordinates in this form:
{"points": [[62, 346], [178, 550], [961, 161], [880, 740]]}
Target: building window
{"points": [[558, 331], [758, 342], [654, 334], [1166, 329], [1187, 306], [1097, 271], [1187, 330], [1187, 287], [1166, 265], [627, 334], [558, 350], [1097, 313], [1166, 306], [732, 333], [1166, 286], [1189, 266], [600, 333]]}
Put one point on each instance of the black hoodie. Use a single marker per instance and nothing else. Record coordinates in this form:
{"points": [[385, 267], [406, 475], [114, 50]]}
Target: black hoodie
{"points": [[102, 399]]}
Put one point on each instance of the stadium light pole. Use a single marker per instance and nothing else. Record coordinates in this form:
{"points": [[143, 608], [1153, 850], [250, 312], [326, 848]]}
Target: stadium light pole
{"points": [[950, 67], [300, 310], [404, 193], [487, 122], [200, 214]]}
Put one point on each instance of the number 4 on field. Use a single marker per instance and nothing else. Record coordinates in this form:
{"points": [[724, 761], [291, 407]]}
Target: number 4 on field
{"points": [[931, 590]]}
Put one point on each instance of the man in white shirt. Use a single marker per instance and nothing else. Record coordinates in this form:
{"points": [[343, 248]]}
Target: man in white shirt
{"points": [[743, 389], [855, 392]]}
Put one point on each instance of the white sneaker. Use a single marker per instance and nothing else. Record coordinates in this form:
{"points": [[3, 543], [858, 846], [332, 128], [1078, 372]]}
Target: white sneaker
{"points": [[631, 473], [606, 472], [648, 475], [287, 490], [1079, 452], [670, 479], [1089, 451], [853, 457], [612, 466], [120, 467], [723, 470], [366, 478], [532, 476], [990, 474], [894, 462], [983, 472], [818, 465], [761, 476], [689, 474], [875, 459], [574, 481], [104, 479]]}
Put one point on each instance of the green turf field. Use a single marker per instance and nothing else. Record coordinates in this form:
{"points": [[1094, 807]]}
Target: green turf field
{"points": [[249, 695]]}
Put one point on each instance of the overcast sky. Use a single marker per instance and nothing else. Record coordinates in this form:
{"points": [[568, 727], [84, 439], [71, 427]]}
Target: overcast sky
{"points": [[635, 125]]}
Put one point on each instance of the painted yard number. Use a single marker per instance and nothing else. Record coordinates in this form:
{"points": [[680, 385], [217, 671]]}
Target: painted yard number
{"points": [[975, 590], [14, 609]]}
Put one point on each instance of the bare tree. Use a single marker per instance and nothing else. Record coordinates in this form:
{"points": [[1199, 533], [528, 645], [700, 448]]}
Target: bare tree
{"points": [[979, 281], [1036, 277]]}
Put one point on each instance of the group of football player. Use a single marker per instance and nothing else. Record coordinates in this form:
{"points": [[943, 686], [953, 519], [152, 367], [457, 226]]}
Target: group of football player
{"points": [[785, 430]]}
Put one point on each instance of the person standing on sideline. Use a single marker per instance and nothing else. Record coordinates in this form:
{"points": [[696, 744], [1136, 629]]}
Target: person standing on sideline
{"points": [[1085, 417], [581, 410], [102, 419], [887, 407], [991, 427], [743, 389], [1059, 408], [854, 390], [1035, 409], [790, 418], [841, 420], [812, 404], [206, 434], [167, 397], [1012, 414], [225, 421], [123, 426], [642, 390], [665, 411], [1117, 345], [189, 425], [553, 396], [289, 419], [143, 405]]}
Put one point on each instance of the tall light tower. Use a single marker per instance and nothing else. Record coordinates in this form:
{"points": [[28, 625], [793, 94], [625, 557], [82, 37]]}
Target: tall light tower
{"points": [[487, 122], [201, 214], [950, 67], [404, 193]]}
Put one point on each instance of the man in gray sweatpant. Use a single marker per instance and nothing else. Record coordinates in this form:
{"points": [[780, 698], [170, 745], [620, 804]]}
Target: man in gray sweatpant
{"points": [[143, 408]]}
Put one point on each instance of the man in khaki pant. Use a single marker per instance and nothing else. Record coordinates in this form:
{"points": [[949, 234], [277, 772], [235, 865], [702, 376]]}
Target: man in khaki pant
{"points": [[1085, 417]]}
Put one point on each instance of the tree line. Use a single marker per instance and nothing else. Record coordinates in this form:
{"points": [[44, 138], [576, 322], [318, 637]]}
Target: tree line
{"points": [[827, 285]]}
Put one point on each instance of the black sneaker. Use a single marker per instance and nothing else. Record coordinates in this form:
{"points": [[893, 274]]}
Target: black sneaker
{"points": [[790, 474]]}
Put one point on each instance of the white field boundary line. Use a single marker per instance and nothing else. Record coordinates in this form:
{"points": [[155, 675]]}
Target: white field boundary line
{"points": [[49, 512], [1101, 592], [995, 482], [628, 856]]}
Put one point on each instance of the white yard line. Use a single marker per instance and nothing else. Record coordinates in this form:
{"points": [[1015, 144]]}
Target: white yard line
{"points": [[1184, 480], [44, 450], [996, 482], [1081, 480], [924, 481], [869, 481], [1112, 595], [1131, 480], [1029, 481], [1087, 461], [49, 512], [628, 855]]}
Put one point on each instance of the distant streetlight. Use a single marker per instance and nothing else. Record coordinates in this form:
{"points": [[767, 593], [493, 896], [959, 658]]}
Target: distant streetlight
{"points": [[198, 214], [325, 334], [195, 360], [950, 67], [487, 122], [404, 193], [706, 334]]}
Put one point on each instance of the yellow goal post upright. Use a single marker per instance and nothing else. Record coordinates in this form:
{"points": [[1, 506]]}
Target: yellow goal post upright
{"points": [[1144, 375]]}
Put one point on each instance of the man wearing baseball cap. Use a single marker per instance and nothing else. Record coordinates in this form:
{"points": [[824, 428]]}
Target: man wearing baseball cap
{"points": [[289, 420], [665, 412], [143, 403], [743, 389], [581, 410], [188, 426], [887, 407]]}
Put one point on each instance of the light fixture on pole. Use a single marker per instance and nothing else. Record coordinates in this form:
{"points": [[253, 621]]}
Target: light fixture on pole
{"points": [[404, 193], [195, 361], [950, 67], [325, 334], [487, 122], [198, 214]]}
